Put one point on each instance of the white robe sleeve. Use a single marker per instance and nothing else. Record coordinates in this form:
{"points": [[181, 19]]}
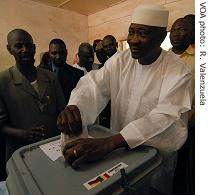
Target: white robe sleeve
{"points": [[91, 94], [175, 99]]}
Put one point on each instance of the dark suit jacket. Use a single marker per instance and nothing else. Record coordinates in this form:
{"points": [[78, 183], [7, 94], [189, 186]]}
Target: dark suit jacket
{"points": [[22, 107], [68, 77]]}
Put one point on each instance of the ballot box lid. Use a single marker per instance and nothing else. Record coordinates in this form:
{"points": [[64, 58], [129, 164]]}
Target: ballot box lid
{"points": [[32, 172]]}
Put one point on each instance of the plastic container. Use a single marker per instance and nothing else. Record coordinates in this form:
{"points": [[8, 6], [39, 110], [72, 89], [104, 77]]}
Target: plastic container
{"points": [[31, 172]]}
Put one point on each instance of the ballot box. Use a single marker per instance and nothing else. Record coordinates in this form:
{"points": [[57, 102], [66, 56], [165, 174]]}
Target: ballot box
{"points": [[32, 172]]}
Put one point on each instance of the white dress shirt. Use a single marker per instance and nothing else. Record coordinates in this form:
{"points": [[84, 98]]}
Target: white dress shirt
{"points": [[81, 68]]}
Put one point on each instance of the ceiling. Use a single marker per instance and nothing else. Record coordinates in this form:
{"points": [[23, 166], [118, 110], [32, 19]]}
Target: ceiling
{"points": [[90, 7]]}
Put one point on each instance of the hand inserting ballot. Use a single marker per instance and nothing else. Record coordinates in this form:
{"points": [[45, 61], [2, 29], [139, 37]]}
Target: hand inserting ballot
{"points": [[69, 121]]}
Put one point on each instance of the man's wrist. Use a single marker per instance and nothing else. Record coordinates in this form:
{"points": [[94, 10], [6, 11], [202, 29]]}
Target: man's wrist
{"points": [[116, 141]]}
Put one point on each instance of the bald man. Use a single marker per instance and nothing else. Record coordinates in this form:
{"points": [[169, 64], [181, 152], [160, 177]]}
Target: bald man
{"points": [[109, 45], [100, 54], [31, 98], [181, 35], [191, 19], [149, 89], [86, 56]]}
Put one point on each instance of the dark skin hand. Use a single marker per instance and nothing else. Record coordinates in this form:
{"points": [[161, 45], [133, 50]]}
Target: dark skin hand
{"points": [[69, 121], [33, 134], [87, 149], [27, 136]]}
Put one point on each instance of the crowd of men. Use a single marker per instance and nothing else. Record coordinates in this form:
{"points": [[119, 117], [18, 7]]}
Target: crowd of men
{"points": [[144, 93]]}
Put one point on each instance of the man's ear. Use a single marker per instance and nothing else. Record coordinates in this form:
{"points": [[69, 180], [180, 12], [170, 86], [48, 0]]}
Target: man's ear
{"points": [[192, 37], [163, 36], [9, 49], [79, 55], [34, 48]]}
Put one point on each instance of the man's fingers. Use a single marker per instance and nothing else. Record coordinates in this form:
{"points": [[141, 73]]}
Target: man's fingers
{"points": [[35, 136], [63, 122], [68, 119], [76, 124], [64, 118], [78, 161], [60, 121], [86, 150], [68, 146], [70, 114], [69, 156], [76, 128], [75, 113]]}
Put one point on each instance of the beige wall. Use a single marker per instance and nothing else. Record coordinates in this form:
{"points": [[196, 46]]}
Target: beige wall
{"points": [[116, 20], [43, 23]]}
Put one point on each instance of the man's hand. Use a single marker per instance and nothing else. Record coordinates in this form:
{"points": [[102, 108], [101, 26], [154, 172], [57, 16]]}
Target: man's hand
{"points": [[33, 134], [87, 150], [69, 120]]}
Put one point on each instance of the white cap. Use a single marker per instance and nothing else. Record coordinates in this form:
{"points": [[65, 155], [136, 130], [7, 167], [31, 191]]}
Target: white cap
{"points": [[150, 15]]}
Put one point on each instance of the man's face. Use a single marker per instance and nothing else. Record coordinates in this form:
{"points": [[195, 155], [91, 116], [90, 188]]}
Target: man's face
{"points": [[180, 35], [110, 47], [58, 54], [142, 40], [22, 48], [101, 55], [86, 58]]}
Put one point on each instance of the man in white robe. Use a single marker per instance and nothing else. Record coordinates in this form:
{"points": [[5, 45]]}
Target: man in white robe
{"points": [[149, 90]]}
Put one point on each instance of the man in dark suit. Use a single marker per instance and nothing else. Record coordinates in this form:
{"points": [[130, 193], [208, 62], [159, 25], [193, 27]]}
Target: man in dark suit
{"points": [[30, 98], [68, 76]]}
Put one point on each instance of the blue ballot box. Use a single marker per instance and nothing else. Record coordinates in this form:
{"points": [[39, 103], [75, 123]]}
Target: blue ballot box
{"points": [[32, 172]]}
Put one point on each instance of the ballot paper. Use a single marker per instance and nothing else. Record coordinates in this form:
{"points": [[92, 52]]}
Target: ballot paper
{"points": [[69, 138], [52, 149]]}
